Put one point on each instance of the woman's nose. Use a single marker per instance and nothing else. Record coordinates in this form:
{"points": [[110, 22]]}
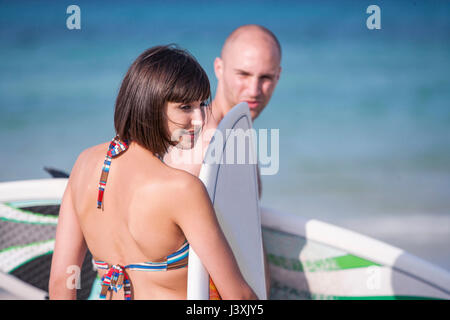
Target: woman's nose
{"points": [[198, 116]]}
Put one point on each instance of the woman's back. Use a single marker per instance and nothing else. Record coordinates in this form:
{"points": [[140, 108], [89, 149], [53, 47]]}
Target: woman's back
{"points": [[135, 224]]}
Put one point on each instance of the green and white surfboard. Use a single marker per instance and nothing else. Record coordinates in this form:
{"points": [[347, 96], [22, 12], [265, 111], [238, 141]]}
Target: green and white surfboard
{"points": [[310, 259]]}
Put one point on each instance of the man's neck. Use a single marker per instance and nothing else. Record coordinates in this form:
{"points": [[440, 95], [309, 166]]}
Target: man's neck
{"points": [[216, 109]]}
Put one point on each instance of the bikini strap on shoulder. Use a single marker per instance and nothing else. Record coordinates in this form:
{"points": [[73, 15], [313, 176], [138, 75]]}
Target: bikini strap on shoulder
{"points": [[116, 147]]}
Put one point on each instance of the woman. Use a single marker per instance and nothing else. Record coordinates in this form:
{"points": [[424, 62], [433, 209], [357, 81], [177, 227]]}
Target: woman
{"points": [[143, 215]]}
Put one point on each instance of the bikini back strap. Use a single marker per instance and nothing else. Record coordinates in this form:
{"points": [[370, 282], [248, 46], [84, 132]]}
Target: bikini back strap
{"points": [[178, 259], [116, 147], [117, 278]]}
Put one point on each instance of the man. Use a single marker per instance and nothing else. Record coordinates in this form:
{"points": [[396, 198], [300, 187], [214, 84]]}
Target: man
{"points": [[248, 70]]}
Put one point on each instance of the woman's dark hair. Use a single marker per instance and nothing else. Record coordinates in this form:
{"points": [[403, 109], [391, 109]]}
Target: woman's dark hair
{"points": [[159, 75]]}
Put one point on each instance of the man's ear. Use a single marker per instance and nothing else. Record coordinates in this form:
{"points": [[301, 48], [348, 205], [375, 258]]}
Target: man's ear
{"points": [[279, 73], [218, 67]]}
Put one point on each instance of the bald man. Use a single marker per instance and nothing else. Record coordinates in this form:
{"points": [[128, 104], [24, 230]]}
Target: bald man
{"points": [[248, 70]]}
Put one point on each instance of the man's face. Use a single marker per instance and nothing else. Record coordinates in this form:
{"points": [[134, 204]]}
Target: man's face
{"points": [[249, 72]]}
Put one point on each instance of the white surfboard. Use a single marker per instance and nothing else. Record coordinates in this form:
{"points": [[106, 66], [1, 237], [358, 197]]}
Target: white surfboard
{"points": [[230, 176]]}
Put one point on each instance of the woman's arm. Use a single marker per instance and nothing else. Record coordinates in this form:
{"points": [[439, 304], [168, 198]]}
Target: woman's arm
{"points": [[69, 253], [196, 217]]}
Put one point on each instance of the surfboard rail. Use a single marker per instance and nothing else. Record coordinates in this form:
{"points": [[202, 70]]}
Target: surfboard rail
{"points": [[12, 288], [33, 189]]}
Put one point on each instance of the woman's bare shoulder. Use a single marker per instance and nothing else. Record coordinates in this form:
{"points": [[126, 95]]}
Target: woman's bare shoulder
{"points": [[181, 179], [101, 148], [181, 185], [88, 158]]}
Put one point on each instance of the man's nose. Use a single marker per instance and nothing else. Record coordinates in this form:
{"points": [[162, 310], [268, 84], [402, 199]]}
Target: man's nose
{"points": [[254, 87]]}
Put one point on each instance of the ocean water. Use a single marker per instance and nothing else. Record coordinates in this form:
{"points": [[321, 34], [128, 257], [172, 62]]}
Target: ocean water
{"points": [[364, 115]]}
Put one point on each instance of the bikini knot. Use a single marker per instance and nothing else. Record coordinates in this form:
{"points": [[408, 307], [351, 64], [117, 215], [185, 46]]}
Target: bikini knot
{"points": [[115, 279], [117, 146]]}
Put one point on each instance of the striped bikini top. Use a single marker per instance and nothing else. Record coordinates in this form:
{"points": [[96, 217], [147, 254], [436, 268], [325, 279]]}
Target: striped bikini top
{"points": [[116, 277]]}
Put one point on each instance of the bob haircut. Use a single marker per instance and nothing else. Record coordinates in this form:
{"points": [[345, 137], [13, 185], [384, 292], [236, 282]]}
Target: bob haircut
{"points": [[159, 75]]}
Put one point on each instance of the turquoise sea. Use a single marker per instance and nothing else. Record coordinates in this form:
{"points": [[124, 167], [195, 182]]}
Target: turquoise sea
{"points": [[364, 115]]}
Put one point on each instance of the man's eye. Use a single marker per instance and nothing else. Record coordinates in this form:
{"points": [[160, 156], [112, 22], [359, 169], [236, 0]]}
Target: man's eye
{"points": [[242, 73]]}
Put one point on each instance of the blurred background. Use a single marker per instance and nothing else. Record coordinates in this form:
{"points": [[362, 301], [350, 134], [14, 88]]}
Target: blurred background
{"points": [[364, 115]]}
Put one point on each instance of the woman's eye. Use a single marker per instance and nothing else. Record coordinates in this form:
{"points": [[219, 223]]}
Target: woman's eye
{"points": [[203, 104], [185, 107]]}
